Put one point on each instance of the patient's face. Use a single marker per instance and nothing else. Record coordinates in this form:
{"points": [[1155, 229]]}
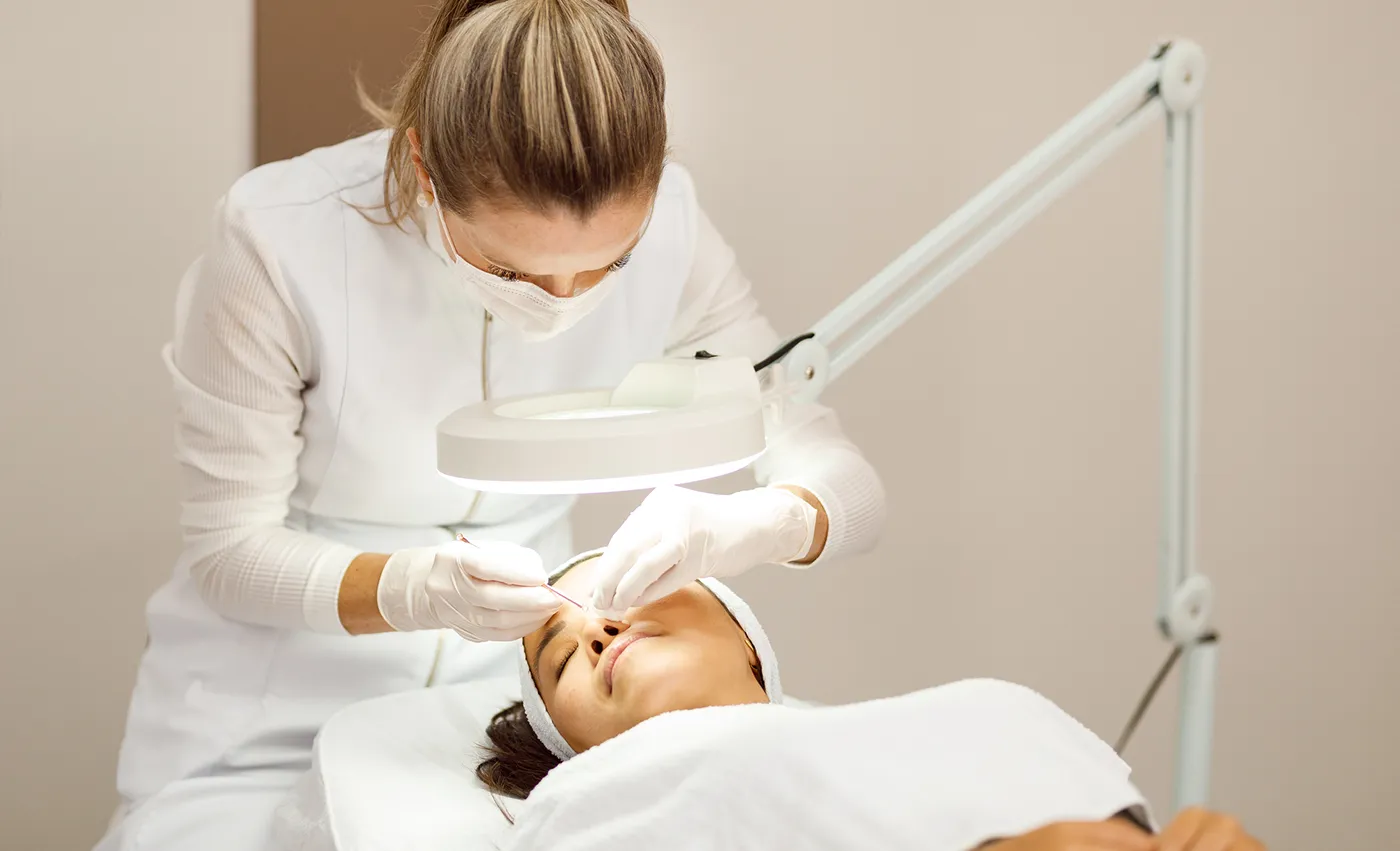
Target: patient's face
{"points": [[600, 678]]}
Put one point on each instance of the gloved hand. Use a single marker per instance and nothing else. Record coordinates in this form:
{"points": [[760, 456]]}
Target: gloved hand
{"points": [[490, 591], [677, 536]]}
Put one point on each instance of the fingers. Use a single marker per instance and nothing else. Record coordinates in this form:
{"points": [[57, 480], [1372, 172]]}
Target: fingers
{"points": [[477, 623], [673, 580], [646, 569], [639, 533], [476, 632], [493, 588], [498, 561], [1249, 843], [493, 598], [1196, 829], [1112, 835], [501, 577], [1179, 835], [612, 567]]}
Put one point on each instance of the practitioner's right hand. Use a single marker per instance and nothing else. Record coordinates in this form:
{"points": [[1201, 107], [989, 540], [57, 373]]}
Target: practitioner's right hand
{"points": [[490, 591]]}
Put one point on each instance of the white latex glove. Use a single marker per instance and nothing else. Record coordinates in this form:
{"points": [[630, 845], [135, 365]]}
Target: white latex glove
{"points": [[491, 591], [677, 536]]}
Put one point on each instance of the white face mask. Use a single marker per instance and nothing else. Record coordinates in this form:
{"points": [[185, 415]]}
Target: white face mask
{"points": [[536, 314]]}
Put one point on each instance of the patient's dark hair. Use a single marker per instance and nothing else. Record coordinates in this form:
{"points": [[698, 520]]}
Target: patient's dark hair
{"points": [[516, 760]]}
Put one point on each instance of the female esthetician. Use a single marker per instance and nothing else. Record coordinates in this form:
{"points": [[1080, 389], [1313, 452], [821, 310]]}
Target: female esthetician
{"points": [[514, 229]]}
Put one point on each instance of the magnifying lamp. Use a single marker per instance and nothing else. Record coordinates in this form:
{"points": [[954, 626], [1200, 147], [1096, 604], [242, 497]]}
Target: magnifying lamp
{"points": [[669, 422], [686, 419]]}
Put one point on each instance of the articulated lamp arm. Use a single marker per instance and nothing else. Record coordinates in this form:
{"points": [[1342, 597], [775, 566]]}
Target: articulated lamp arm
{"points": [[681, 420], [1167, 86]]}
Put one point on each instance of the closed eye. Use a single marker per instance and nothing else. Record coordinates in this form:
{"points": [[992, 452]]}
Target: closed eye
{"points": [[559, 673], [509, 275], [502, 273]]}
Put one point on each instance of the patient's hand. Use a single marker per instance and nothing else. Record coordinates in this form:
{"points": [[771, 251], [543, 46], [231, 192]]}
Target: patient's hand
{"points": [[1113, 835], [1201, 830], [1192, 830]]}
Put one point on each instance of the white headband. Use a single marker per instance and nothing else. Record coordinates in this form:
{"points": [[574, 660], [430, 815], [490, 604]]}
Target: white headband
{"points": [[543, 725]]}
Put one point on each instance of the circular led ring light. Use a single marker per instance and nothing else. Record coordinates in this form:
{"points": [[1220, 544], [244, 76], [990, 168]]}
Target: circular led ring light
{"points": [[580, 442]]}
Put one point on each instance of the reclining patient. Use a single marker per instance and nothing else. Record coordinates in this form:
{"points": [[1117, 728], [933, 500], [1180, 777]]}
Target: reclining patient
{"points": [[978, 764]]}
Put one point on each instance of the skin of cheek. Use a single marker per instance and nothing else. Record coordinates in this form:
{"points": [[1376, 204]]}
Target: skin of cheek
{"points": [[681, 672], [579, 715], [692, 670]]}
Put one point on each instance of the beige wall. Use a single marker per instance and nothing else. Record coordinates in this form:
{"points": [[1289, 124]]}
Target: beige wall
{"points": [[1014, 420], [122, 123]]}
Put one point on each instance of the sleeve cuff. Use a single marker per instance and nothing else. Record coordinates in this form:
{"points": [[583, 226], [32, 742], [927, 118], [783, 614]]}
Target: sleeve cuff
{"points": [[321, 600], [853, 498]]}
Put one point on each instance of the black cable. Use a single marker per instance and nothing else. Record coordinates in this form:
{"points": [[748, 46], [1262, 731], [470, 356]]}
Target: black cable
{"points": [[781, 352], [777, 355], [1146, 701], [1151, 693]]}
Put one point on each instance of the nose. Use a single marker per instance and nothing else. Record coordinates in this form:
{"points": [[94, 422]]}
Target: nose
{"points": [[560, 286], [568, 286], [598, 635]]}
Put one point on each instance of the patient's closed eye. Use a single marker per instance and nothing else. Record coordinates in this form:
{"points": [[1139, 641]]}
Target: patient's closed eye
{"points": [[564, 662]]}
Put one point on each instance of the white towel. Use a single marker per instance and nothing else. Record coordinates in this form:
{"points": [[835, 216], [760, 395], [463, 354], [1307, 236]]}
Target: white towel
{"points": [[945, 769]]}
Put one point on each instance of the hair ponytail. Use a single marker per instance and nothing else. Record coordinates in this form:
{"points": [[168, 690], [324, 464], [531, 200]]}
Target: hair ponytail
{"points": [[549, 103]]}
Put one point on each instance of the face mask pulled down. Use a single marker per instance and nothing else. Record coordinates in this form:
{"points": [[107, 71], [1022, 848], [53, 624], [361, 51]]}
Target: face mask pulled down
{"points": [[536, 314]]}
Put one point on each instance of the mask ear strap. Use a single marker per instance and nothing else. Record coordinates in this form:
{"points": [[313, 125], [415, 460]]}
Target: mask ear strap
{"points": [[424, 201]]}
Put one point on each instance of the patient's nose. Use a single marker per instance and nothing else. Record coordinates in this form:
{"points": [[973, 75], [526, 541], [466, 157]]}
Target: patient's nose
{"points": [[598, 633]]}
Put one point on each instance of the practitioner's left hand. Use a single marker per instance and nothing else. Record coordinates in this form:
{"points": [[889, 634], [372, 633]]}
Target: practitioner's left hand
{"points": [[677, 536]]}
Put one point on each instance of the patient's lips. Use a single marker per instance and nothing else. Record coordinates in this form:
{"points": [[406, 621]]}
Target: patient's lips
{"points": [[615, 651]]}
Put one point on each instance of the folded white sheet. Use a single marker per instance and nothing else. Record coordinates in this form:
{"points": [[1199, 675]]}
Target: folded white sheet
{"points": [[944, 769], [398, 772]]}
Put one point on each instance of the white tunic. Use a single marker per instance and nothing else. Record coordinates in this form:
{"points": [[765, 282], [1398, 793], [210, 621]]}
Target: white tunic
{"points": [[315, 351]]}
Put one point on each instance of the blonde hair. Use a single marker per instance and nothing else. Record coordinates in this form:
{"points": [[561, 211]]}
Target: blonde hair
{"points": [[545, 103]]}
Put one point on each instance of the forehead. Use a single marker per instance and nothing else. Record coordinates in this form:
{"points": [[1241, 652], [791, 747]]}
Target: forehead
{"points": [[581, 577], [557, 242]]}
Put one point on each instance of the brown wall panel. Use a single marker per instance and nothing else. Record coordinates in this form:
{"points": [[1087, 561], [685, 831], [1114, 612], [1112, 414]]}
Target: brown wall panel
{"points": [[307, 53]]}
